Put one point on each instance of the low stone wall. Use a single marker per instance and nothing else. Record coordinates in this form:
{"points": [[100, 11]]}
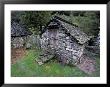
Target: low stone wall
{"points": [[25, 41], [33, 41], [17, 42]]}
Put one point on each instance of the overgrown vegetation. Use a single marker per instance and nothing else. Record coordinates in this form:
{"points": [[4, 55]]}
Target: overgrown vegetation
{"points": [[28, 67], [88, 21]]}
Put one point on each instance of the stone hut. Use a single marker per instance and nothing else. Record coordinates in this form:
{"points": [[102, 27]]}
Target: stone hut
{"points": [[64, 40], [19, 35]]}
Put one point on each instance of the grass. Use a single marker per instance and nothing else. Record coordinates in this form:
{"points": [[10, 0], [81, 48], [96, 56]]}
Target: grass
{"points": [[27, 67]]}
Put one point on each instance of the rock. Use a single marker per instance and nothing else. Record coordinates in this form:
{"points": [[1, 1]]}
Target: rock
{"points": [[28, 45], [87, 65], [33, 41], [39, 62], [17, 42], [46, 56]]}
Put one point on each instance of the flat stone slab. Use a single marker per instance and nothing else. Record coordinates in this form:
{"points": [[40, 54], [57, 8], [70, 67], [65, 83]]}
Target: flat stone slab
{"points": [[87, 65]]}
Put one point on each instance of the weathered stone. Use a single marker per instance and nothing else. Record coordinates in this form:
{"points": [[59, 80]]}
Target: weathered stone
{"points": [[39, 62], [31, 41], [67, 43], [44, 58], [25, 41], [17, 42]]}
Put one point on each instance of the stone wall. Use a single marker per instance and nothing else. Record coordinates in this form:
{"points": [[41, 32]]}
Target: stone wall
{"points": [[17, 42], [25, 41], [67, 50], [32, 41]]}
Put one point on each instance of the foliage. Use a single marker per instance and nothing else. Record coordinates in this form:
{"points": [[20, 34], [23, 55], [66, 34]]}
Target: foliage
{"points": [[89, 21], [36, 19], [15, 16]]}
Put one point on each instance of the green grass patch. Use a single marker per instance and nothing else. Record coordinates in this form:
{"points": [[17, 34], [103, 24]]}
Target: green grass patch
{"points": [[28, 67]]}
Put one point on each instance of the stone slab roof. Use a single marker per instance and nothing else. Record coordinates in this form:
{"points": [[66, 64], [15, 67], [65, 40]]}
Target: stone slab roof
{"points": [[79, 35], [72, 29], [18, 30]]}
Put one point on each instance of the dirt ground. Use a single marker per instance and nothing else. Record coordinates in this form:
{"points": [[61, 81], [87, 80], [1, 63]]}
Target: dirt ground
{"points": [[17, 53]]}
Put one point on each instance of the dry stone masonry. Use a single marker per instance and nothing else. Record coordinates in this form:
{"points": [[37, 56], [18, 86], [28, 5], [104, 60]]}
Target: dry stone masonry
{"points": [[59, 39], [22, 37], [63, 40]]}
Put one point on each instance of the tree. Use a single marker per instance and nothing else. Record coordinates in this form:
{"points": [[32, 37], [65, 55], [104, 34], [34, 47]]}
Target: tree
{"points": [[35, 20], [15, 16]]}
